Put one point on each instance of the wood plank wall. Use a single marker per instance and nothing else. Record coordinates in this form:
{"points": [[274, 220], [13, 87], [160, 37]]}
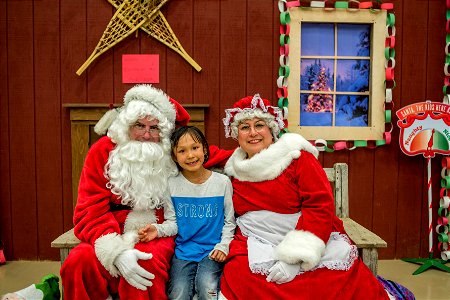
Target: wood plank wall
{"points": [[43, 43]]}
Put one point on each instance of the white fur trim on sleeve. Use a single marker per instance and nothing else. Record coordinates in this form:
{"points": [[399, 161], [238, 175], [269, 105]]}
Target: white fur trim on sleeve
{"points": [[301, 247], [108, 247]]}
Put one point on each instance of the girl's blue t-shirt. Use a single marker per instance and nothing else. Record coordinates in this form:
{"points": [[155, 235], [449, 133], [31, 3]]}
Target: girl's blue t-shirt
{"points": [[200, 213], [200, 221]]}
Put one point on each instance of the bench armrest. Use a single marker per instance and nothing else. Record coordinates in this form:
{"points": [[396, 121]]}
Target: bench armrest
{"points": [[66, 240], [362, 237]]}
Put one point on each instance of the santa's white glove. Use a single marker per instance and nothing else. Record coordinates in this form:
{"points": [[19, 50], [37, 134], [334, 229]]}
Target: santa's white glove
{"points": [[282, 272], [133, 273]]}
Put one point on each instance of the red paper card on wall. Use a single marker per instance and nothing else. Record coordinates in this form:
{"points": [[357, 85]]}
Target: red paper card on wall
{"points": [[140, 68]]}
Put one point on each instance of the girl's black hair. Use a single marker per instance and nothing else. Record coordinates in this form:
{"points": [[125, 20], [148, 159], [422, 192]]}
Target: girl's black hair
{"points": [[196, 135]]}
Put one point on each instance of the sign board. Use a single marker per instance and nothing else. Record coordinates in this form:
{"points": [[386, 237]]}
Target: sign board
{"points": [[424, 128]]}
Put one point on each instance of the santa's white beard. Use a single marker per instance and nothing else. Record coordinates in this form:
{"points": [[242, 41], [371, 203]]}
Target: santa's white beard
{"points": [[138, 172]]}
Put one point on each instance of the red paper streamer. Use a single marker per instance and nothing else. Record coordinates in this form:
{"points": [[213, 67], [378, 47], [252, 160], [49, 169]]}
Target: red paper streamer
{"points": [[292, 4], [282, 92], [387, 136], [340, 145], [387, 6], [364, 5], [389, 74], [390, 42], [445, 163]]}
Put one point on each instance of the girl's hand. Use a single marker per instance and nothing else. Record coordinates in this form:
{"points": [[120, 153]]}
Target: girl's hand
{"points": [[147, 233], [218, 256]]}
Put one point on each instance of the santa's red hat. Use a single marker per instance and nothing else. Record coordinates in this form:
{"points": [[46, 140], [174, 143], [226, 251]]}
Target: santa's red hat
{"points": [[249, 108], [182, 117], [141, 100]]}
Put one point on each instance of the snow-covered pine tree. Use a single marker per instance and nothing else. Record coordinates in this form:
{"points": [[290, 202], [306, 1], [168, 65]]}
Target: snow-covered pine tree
{"points": [[357, 106]]}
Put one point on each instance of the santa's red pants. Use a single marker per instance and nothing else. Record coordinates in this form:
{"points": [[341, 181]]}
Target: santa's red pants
{"points": [[83, 277]]}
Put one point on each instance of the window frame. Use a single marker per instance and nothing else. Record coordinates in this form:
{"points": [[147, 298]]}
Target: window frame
{"points": [[376, 114]]}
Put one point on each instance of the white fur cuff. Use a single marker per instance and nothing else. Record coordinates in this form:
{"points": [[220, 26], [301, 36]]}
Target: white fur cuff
{"points": [[108, 247], [300, 247]]}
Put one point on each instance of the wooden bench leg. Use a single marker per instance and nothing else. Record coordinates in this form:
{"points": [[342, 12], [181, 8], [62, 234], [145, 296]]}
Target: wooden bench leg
{"points": [[63, 253], [370, 258]]}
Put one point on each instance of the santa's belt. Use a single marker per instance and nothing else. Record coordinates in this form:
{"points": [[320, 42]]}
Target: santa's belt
{"points": [[117, 207]]}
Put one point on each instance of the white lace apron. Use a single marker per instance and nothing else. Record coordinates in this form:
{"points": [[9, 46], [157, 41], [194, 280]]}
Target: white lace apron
{"points": [[265, 230]]}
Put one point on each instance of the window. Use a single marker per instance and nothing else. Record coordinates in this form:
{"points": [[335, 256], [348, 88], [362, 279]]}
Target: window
{"points": [[337, 74]]}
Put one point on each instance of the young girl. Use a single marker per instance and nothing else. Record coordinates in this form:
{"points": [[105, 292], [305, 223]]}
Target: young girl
{"points": [[205, 219]]}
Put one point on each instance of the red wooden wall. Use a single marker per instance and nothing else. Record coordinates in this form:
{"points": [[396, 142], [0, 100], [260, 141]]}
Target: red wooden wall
{"points": [[43, 43]]}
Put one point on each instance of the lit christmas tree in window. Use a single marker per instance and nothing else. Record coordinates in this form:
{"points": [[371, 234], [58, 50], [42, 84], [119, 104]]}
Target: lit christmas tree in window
{"points": [[320, 102]]}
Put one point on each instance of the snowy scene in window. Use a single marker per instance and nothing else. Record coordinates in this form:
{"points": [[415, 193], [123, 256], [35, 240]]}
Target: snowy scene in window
{"points": [[334, 74]]}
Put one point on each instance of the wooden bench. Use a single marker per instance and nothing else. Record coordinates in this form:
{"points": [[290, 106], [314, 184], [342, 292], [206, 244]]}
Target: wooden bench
{"points": [[366, 241]]}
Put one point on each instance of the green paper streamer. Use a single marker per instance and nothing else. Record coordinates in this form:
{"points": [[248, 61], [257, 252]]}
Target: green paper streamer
{"points": [[341, 4], [285, 18], [329, 149], [284, 71], [283, 102], [283, 131], [388, 115], [443, 238], [380, 142], [284, 39], [389, 53], [445, 182], [443, 212], [444, 90], [360, 144], [390, 20]]}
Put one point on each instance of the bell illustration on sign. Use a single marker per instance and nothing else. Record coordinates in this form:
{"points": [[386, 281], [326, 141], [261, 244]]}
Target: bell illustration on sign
{"points": [[132, 15]]}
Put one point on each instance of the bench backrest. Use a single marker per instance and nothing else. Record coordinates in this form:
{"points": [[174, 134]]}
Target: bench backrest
{"points": [[338, 177]]}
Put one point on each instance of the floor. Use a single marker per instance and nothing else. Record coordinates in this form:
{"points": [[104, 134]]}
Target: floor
{"points": [[429, 285]]}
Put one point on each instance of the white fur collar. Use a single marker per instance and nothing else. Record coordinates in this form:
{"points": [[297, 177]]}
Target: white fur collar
{"points": [[269, 163]]}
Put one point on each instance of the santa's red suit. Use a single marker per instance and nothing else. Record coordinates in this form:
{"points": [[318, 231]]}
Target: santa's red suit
{"points": [[96, 216], [286, 179]]}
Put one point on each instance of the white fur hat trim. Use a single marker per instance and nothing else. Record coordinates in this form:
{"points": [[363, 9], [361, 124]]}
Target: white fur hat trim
{"points": [[143, 92], [154, 96]]}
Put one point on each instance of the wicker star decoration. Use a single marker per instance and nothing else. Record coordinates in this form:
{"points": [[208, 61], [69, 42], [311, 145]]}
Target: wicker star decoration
{"points": [[129, 17]]}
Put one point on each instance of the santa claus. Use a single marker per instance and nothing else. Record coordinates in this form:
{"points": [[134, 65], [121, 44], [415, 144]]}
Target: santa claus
{"points": [[123, 187]]}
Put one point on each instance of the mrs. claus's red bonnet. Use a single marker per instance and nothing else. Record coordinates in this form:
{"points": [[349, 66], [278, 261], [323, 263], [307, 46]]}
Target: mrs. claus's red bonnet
{"points": [[250, 107]]}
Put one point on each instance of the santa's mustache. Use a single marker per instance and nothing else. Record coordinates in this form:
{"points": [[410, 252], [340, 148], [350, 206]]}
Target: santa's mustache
{"points": [[144, 152]]}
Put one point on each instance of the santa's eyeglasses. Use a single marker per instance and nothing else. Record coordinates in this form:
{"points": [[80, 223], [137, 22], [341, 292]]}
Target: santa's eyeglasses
{"points": [[142, 128]]}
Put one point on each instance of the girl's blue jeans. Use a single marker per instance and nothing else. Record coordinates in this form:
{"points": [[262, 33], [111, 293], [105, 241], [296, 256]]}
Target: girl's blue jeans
{"points": [[190, 277]]}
